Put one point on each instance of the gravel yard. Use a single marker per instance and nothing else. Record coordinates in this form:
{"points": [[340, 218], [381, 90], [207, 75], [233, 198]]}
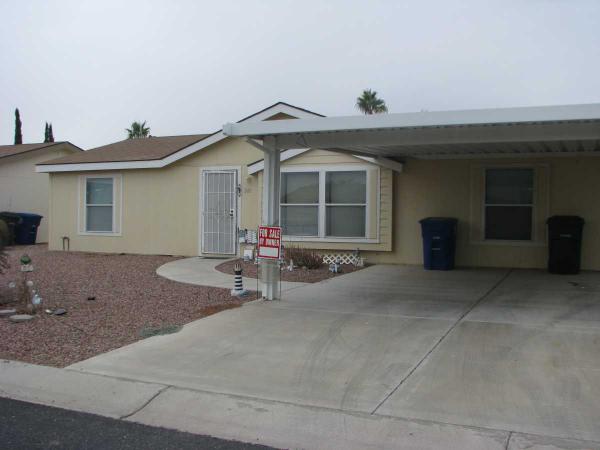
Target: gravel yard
{"points": [[129, 300], [298, 274]]}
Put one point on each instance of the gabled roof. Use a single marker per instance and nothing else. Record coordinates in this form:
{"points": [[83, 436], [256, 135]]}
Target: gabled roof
{"points": [[157, 152], [11, 150], [145, 149]]}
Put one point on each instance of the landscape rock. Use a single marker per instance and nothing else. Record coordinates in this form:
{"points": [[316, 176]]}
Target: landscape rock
{"points": [[7, 312], [59, 311], [17, 318]]}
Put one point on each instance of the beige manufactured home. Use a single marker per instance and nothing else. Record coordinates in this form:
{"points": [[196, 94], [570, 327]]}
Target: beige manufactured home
{"points": [[191, 195], [361, 183], [22, 189]]}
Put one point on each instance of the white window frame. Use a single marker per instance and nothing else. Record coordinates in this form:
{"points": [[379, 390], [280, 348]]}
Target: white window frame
{"points": [[531, 205], [117, 203], [312, 205], [322, 205]]}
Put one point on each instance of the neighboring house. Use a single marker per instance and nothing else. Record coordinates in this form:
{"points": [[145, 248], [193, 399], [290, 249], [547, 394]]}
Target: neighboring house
{"points": [[346, 184], [22, 189]]}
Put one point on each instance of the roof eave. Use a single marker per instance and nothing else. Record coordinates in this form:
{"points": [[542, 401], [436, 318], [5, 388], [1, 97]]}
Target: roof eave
{"points": [[434, 119], [45, 147], [213, 138]]}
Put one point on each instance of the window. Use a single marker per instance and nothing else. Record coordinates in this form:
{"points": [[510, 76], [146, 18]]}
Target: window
{"points": [[99, 205], [324, 204], [346, 203], [508, 205], [300, 203]]}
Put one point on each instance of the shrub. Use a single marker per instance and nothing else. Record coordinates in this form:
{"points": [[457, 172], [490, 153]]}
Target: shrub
{"points": [[303, 257]]}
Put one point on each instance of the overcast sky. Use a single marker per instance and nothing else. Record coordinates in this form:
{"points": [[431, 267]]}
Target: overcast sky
{"points": [[91, 68]]}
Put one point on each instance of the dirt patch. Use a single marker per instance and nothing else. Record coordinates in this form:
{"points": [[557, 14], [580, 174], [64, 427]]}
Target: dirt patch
{"points": [[303, 275], [129, 298]]}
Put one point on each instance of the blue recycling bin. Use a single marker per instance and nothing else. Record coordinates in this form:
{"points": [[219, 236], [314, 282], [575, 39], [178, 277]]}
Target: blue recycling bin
{"points": [[26, 231], [439, 242]]}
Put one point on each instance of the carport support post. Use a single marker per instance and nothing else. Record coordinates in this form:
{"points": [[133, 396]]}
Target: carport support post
{"points": [[270, 215]]}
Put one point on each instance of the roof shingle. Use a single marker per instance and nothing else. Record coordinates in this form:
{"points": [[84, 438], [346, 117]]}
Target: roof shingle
{"points": [[143, 149]]}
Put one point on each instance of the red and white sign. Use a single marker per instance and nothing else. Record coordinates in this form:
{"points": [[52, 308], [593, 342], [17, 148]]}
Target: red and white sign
{"points": [[269, 242]]}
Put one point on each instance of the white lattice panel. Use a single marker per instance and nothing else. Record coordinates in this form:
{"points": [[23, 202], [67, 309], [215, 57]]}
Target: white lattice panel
{"points": [[345, 258]]}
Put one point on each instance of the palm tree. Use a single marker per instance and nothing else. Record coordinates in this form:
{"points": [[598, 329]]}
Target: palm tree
{"points": [[138, 130], [368, 103]]}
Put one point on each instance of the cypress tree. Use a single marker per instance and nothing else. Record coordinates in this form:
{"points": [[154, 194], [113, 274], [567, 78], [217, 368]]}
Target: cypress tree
{"points": [[50, 134], [18, 134], [46, 133]]}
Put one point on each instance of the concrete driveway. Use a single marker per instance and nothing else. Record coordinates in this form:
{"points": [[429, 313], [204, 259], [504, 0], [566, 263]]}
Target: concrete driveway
{"points": [[512, 351]]}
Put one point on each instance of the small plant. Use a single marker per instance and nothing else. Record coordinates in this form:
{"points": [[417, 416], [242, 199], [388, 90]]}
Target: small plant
{"points": [[148, 331], [303, 257], [26, 298], [4, 236], [24, 293], [3, 261]]}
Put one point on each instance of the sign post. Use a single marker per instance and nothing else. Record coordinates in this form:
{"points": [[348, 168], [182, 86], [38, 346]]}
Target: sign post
{"points": [[269, 252]]}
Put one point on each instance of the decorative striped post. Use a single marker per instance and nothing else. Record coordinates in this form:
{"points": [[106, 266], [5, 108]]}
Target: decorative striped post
{"points": [[238, 287]]}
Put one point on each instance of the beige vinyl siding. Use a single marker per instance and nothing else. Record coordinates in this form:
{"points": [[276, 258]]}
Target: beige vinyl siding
{"points": [[160, 207], [565, 185]]}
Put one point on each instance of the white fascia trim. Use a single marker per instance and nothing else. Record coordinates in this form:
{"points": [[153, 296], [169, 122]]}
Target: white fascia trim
{"points": [[289, 154], [281, 108], [536, 114], [159, 163], [383, 162], [96, 166], [285, 155]]}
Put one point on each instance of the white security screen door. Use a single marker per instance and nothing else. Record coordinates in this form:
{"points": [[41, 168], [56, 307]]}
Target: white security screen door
{"points": [[219, 211]]}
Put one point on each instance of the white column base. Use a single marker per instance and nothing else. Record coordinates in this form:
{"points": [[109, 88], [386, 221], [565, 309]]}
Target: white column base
{"points": [[241, 293], [270, 279]]}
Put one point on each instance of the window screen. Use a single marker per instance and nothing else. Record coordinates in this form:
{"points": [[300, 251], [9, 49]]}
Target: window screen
{"points": [[509, 204], [99, 205], [346, 203], [300, 203]]}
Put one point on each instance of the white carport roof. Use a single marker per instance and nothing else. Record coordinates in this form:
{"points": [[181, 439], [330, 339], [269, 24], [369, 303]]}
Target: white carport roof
{"points": [[502, 132]]}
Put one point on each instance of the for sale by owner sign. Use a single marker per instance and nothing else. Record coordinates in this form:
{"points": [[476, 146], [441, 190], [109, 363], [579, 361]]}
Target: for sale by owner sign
{"points": [[269, 242]]}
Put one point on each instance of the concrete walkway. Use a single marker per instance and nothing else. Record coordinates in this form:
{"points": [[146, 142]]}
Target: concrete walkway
{"points": [[202, 272], [386, 357], [245, 419]]}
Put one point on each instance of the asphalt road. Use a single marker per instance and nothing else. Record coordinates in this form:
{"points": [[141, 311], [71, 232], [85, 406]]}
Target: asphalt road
{"points": [[29, 426]]}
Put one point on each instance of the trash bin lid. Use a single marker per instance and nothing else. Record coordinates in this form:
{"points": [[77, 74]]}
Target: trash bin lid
{"points": [[565, 220], [438, 220], [25, 215]]}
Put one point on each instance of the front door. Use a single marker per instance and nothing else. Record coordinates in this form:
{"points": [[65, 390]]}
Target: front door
{"points": [[219, 211]]}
